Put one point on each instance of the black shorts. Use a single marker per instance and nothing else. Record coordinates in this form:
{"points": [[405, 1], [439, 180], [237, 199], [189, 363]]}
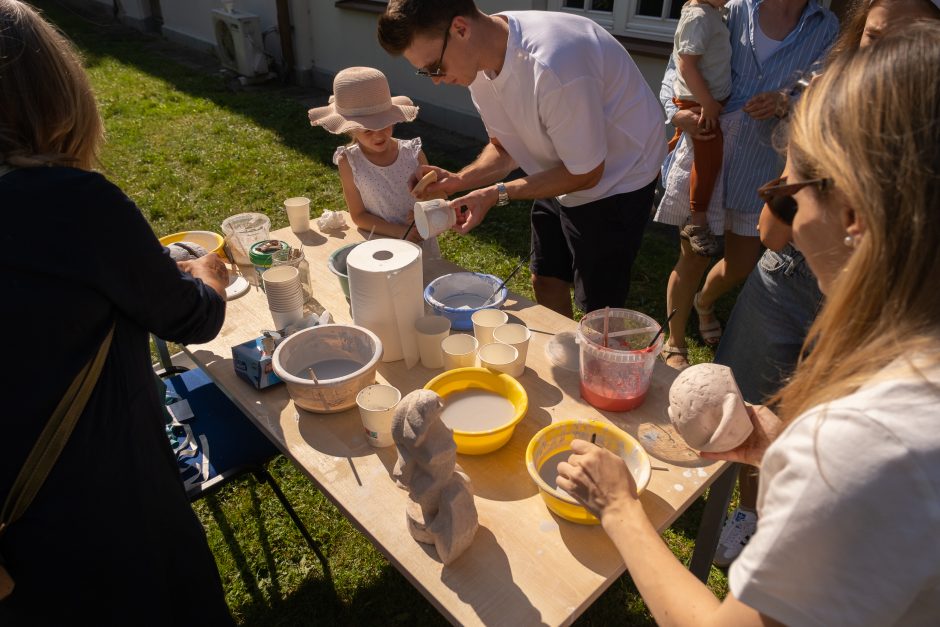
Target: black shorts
{"points": [[592, 245]]}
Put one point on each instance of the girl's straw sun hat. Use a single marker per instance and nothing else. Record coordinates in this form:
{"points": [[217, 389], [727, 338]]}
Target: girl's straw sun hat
{"points": [[362, 100]]}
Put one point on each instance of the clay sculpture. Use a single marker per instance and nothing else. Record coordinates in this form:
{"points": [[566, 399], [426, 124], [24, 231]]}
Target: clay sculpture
{"points": [[440, 507], [706, 408]]}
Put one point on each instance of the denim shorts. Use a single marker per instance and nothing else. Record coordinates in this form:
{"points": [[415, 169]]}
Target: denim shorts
{"points": [[769, 322]]}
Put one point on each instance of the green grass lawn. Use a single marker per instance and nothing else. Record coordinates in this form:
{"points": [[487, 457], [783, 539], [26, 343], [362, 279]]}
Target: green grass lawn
{"points": [[190, 152]]}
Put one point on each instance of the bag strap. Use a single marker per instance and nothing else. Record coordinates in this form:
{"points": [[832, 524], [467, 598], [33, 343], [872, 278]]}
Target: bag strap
{"points": [[53, 438]]}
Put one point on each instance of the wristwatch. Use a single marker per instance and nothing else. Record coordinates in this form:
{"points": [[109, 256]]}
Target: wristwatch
{"points": [[503, 195]]}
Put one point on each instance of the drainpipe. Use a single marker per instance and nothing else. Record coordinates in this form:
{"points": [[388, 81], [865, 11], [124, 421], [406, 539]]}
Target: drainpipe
{"points": [[286, 32]]}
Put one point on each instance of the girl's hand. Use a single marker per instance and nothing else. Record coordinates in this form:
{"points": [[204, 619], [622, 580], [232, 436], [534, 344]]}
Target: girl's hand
{"points": [[767, 426], [442, 188], [598, 479], [708, 119]]}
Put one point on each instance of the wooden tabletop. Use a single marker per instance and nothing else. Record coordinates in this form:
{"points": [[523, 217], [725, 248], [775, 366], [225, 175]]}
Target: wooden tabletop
{"points": [[525, 566]]}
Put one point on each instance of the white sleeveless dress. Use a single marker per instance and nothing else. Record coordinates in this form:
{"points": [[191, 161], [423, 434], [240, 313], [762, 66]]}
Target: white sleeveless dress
{"points": [[384, 189]]}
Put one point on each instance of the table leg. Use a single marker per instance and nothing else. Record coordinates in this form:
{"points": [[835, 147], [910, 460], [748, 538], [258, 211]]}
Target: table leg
{"points": [[709, 529]]}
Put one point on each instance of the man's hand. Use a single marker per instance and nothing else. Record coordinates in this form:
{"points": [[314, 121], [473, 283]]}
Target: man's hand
{"points": [[687, 121], [209, 269], [472, 208]]}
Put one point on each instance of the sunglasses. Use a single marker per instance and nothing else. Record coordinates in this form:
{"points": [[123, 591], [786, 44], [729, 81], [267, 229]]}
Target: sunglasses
{"points": [[778, 194], [437, 71]]}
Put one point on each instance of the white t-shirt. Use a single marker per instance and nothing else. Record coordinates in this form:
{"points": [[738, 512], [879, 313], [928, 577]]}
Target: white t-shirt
{"points": [[569, 93], [764, 46], [701, 31], [849, 505]]}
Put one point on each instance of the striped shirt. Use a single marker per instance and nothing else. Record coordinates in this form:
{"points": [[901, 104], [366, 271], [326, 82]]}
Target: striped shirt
{"points": [[754, 161]]}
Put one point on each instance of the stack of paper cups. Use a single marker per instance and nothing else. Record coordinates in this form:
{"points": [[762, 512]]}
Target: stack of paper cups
{"points": [[386, 285], [285, 295]]}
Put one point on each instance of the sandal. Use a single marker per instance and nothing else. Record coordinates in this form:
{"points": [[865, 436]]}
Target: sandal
{"points": [[703, 242], [675, 357], [711, 332]]}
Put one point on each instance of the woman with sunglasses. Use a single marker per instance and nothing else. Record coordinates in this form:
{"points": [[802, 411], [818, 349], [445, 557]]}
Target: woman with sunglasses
{"points": [[780, 299], [850, 484]]}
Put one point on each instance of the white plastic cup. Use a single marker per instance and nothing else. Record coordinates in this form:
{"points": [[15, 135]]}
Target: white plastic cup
{"points": [[498, 356], [485, 322], [433, 217], [460, 351], [517, 336], [431, 331], [377, 405], [298, 214], [286, 318]]}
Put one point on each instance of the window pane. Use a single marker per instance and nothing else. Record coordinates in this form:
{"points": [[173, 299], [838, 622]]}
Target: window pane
{"points": [[675, 9], [651, 8], [602, 5], [574, 4]]}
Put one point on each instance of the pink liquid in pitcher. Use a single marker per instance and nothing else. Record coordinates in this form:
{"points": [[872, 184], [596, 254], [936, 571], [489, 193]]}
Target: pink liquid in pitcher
{"points": [[609, 400]]}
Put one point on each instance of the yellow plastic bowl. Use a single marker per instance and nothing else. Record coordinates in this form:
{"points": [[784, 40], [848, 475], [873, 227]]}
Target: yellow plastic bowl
{"points": [[212, 242], [460, 379], [556, 438]]}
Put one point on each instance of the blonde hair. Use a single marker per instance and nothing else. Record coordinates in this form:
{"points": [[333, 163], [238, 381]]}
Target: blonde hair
{"points": [[48, 114], [871, 124]]}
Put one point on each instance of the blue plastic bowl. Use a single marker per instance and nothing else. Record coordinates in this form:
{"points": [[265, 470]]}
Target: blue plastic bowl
{"points": [[456, 296]]}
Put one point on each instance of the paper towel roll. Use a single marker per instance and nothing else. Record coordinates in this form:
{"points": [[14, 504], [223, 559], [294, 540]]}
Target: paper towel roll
{"points": [[386, 284]]}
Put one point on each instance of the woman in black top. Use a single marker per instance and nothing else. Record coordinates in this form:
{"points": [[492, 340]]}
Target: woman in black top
{"points": [[110, 537]]}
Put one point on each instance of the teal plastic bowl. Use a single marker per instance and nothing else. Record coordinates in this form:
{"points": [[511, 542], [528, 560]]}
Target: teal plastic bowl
{"points": [[337, 265]]}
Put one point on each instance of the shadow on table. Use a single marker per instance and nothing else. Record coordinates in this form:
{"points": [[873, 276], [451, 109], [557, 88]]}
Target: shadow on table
{"points": [[486, 559]]}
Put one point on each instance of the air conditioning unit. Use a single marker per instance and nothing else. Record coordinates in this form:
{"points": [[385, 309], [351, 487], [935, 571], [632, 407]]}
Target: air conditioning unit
{"points": [[238, 41]]}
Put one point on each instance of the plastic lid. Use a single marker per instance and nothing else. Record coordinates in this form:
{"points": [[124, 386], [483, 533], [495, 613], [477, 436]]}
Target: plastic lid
{"points": [[260, 252], [564, 352]]}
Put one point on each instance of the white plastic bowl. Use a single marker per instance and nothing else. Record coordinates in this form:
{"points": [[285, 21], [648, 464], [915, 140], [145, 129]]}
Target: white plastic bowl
{"points": [[336, 344]]}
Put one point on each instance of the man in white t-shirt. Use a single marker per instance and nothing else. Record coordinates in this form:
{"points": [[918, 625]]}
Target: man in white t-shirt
{"points": [[561, 99]]}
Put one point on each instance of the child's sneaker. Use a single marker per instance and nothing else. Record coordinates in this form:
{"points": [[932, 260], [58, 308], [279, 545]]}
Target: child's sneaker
{"points": [[702, 240], [738, 529]]}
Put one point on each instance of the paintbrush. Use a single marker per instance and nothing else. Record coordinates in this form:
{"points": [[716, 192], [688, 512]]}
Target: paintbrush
{"points": [[665, 324], [511, 274]]}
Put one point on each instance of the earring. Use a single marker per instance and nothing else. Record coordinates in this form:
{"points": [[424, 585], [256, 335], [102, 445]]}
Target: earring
{"points": [[850, 241]]}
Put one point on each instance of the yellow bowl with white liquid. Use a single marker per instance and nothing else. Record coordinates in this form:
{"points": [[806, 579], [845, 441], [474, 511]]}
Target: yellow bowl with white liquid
{"points": [[463, 379], [555, 440]]}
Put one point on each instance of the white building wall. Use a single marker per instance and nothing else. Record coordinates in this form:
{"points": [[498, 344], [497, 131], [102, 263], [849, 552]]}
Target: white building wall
{"points": [[328, 39]]}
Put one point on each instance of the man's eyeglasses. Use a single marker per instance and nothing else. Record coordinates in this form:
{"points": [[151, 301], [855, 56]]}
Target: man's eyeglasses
{"points": [[778, 194], [437, 71]]}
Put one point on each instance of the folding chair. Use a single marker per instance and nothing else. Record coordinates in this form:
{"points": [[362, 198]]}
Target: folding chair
{"points": [[218, 444]]}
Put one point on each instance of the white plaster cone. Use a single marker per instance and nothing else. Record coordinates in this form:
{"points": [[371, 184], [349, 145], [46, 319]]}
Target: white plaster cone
{"points": [[706, 408]]}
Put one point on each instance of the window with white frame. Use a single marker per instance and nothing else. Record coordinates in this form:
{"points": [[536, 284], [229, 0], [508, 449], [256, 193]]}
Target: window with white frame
{"points": [[645, 19]]}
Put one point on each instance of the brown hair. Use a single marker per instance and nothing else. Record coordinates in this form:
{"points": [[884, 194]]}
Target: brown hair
{"points": [[853, 25], [869, 124], [404, 19], [48, 114]]}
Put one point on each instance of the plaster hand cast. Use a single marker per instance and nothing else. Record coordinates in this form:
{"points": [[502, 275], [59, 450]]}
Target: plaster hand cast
{"points": [[440, 507], [706, 408]]}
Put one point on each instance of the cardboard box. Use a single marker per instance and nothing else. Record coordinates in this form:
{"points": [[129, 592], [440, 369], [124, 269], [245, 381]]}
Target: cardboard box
{"points": [[253, 365]]}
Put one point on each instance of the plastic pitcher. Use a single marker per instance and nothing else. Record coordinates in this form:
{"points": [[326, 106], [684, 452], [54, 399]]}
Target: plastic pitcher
{"points": [[617, 377], [241, 231]]}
